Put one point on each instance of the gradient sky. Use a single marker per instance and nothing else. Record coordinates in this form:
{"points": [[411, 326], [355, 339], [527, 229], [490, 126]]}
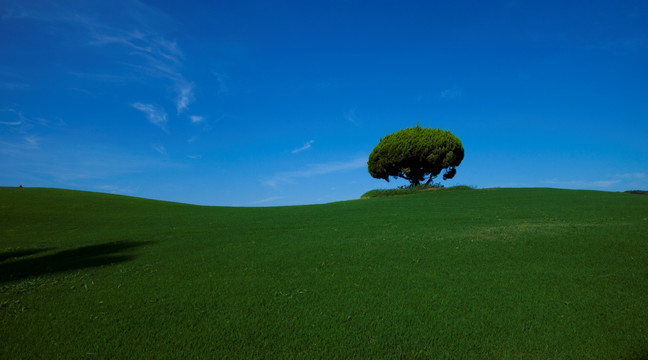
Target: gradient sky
{"points": [[263, 103]]}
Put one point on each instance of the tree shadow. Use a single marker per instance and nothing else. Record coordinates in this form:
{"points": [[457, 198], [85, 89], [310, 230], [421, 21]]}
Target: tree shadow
{"points": [[21, 253], [66, 260]]}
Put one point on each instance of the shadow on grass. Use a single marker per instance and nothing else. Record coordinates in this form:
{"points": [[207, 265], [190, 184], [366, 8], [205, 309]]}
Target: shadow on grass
{"points": [[20, 253], [66, 260]]}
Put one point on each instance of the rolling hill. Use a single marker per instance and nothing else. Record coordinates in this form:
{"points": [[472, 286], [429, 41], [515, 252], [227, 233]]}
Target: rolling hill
{"points": [[491, 273]]}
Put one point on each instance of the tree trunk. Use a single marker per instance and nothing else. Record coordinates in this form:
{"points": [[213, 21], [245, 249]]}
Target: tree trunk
{"points": [[429, 180], [412, 179]]}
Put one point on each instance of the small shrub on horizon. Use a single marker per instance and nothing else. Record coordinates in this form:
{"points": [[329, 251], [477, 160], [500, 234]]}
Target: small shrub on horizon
{"points": [[640, 192], [406, 190], [462, 187]]}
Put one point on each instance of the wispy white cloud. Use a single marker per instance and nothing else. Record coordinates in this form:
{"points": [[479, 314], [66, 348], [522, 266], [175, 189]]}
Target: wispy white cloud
{"points": [[305, 147], [81, 166], [19, 145], [141, 39], [113, 78], [12, 117], [138, 38], [115, 189], [312, 170], [632, 176], [603, 183], [160, 149], [21, 124], [610, 182], [185, 96], [266, 200], [162, 57], [196, 119], [155, 114], [451, 93], [352, 117], [19, 11], [582, 184], [154, 47], [32, 141], [221, 80], [11, 123]]}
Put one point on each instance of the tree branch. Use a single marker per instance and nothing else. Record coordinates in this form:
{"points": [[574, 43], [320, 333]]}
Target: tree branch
{"points": [[430, 179]]}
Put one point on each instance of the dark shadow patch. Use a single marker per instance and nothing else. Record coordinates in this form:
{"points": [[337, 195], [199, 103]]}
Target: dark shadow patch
{"points": [[68, 260], [641, 356], [638, 192], [20, 253], [638, 357]]}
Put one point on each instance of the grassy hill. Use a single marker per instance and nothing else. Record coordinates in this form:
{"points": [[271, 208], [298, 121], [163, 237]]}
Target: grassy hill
{"points": [[494, 273]]}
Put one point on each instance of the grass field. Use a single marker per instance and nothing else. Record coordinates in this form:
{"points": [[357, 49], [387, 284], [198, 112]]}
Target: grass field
{"points": [[492, 273]]}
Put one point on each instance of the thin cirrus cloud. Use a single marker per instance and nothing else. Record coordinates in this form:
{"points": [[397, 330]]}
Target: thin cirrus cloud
{"points": [[185, 97], [196, 119], [290, 177], [632, 176], [21, 127], [628, 180], [160, 52], [138, 38], [160, 149], [155, 114], [303, 148], [13, 117], [20, 145], [222, 87], [266, 200], [451, 93], [352, 117], [162, 59], [11, 123], [114, 189]]}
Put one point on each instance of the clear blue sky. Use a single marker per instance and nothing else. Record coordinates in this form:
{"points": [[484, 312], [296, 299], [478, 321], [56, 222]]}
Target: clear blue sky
{"points": [[263, 103]]}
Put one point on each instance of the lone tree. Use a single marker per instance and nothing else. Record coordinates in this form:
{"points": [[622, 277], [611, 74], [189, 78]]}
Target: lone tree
{"points": [[415, 153]]}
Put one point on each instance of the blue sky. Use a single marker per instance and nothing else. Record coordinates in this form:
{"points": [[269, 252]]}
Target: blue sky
{"points": [[264, 103]]}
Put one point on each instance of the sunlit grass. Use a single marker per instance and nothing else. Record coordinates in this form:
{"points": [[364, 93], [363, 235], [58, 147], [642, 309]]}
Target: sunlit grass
{"points": [[494, 273]]}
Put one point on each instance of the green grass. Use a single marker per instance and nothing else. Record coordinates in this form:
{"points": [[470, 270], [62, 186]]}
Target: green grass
{"points": [[491, 273]]}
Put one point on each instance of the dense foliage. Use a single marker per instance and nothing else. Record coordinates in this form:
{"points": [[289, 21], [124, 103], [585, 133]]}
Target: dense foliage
{"points": [[415, 153]]}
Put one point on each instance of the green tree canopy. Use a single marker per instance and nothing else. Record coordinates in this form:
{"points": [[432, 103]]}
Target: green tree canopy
{"points": [[415, 153]]}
